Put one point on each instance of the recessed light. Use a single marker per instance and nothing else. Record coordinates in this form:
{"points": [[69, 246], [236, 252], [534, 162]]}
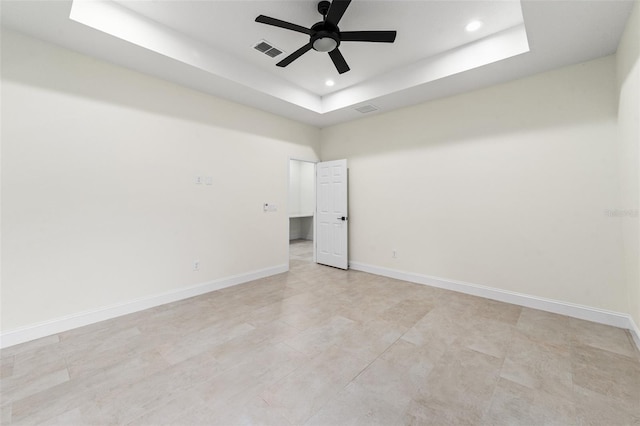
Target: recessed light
{"points": [[473, 26], [329, 83]]}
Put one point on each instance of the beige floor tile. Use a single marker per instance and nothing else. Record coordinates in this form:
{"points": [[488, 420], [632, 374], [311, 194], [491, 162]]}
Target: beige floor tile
{"points": [[413, 361], [609, 374], [317, 339], [310, 315], [435, 414], [389, 383], [18, 389], [30, 346], [322, 346], [357, 405], [114, 361], [170, 412], [31, 372], [439, 327], [513, 404], [102, 382], [251, 374], [488, 337], [6, 367], [5, 413], [545, 327], [39, 362], [237, 412], [594, 409], [196, 415], [299, 395], [116, 331], [202, 341], [498, 311], [49, 403], [538, 366], [127, 402], [246, 411], [465, 304], [234, 349], [71, 417], [458, 389], [603, 337], [277, 311], [408, 312], [369, 339]]}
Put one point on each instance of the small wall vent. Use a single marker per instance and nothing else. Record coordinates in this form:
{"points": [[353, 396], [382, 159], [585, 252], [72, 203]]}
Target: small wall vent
{"points": [[268, 49], [366, 108]]}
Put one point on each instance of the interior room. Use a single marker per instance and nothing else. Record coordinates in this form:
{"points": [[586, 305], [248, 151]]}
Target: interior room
{"points": [[174, 175], [301, 209]]}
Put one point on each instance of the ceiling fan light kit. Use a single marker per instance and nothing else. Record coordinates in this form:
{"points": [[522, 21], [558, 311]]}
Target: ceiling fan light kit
{"points": [[324, 42], [325, 36]]}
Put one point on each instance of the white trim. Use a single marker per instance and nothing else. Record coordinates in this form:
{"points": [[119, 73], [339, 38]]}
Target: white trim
{"points": [[68, 322], [615, 319]]}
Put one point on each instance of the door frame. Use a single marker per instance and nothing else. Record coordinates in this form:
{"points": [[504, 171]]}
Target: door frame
{"points": [[313, 218]]}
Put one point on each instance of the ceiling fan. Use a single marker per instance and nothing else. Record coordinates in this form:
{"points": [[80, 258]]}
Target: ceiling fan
{"points": [[325, 36]]}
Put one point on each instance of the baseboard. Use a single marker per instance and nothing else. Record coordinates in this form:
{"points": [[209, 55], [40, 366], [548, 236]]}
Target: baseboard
{"points": [[615, 319], [69, 322], [635, 332], [58, 325]]}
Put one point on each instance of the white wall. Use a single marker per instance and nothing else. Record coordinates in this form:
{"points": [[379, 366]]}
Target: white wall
{"points": [[301, 228], [307, 190], [99, 204], [294, 187], [505, 187], [628, 65], [301, 187], [301, 199]]}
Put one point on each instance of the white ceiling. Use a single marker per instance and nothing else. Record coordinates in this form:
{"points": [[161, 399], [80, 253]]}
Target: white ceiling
{"points": [[208, 45], [424, 29]]}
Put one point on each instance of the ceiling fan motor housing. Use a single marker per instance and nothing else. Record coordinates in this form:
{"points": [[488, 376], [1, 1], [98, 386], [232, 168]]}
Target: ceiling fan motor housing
{"points": [[326, 36]]}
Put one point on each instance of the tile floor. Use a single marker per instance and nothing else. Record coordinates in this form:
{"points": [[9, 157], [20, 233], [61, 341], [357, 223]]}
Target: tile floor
{"points": [[320, 346]]}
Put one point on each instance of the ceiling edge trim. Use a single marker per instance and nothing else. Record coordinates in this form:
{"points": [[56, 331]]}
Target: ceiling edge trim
{"points": [[117, 21], [505, 44]]}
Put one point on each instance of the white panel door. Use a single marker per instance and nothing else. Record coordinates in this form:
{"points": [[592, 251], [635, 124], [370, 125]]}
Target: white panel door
{"points": [[331, 219]]}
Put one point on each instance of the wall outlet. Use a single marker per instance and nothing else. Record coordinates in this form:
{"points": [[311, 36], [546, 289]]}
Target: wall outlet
{"points": [[198, 180], [394, 253], [196, 265]]}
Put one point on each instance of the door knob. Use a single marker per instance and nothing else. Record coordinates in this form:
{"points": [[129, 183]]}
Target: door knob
{"points": [[343, 218]]}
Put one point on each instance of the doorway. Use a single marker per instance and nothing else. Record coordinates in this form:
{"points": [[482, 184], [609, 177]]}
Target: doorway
{"points": [[302, 207]]}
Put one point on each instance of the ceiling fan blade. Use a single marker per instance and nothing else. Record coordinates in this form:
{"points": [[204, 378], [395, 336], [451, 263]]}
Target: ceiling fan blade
{"points": [[336, 10], [338, 61], [295, 55], [371, 36], [283, 24]]}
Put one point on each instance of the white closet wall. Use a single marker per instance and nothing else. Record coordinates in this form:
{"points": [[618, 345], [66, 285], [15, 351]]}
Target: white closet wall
{"points": [[301, 199]]}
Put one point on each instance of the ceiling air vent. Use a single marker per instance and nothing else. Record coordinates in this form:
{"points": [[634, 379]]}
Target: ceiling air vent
{"points": [[366, 108], [267, 48]]}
